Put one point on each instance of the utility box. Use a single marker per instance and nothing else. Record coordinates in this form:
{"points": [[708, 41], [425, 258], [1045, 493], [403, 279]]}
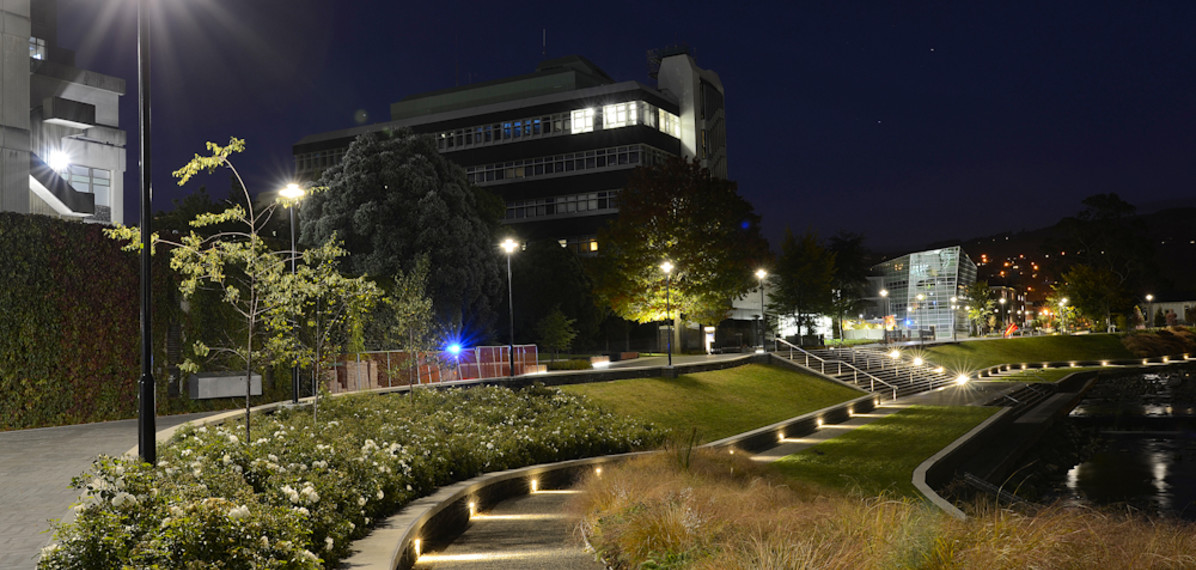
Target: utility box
{"points": [[210, 385]]}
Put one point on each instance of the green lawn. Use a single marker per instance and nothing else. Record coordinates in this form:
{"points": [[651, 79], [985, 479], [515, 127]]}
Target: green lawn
{"points": [[1040, 375], [881, 456], [719, 403], [973, 355]]}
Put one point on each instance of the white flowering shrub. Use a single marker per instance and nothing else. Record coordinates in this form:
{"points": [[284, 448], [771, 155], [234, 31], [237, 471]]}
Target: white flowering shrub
{"points": [[299, 493]]}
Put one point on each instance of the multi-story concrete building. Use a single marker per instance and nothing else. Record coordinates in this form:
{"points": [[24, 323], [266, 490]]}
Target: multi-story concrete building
{"points": [[62, 152], [557, 145]]}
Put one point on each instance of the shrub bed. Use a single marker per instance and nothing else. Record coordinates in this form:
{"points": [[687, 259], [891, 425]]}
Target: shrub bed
{"points": [[299, 492]]}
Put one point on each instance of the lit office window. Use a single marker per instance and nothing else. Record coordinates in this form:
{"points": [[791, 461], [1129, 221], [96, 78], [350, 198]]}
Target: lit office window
{"points": [[37, 48], [620, 115], [583, 121], [91, 181], [670, 124]]}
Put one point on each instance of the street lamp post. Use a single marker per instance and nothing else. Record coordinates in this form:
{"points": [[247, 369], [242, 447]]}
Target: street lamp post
{"points": [[509, 245], [760, 275], [293, 194], [667, 267], [884, 319], [919, 312], [1062, 315], [147, 446], [1004, 313], [1149, 311], [954, 313]]}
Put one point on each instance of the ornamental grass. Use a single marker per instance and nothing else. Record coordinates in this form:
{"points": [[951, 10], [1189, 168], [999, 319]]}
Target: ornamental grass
{"points": [[722, 511], [300, 492]]}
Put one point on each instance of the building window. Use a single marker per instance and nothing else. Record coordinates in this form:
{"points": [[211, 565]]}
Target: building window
{"points": [[612, 157], [670, 124], [91, 181], [37, 48], [583, 121], [589, 203], [620, 115]]}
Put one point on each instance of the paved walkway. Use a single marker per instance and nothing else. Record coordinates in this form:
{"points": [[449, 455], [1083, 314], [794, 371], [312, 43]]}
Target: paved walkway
{"points": [[36, 468], [533, 531]]}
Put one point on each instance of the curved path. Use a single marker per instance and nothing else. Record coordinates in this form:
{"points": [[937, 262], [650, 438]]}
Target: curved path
{"points": [[36, 468]]}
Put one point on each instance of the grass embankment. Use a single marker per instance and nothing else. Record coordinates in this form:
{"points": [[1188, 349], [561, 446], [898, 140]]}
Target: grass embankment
{"points": [[723, 511], [974, 355], [720, 403], [880, 457]]}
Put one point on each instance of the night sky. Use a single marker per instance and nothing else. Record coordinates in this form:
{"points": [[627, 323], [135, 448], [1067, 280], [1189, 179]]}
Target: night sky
{"points": [[909, 122]]}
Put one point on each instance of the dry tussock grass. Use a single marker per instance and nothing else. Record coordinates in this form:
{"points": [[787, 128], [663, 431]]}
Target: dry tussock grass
{"points": [[724, 512]]}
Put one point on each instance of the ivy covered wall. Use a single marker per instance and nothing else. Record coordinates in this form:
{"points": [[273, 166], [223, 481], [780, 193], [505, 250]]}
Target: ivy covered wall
{"points": [[69, 324]]}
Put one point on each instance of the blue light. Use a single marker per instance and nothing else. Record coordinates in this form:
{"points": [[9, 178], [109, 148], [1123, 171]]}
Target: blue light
{"points": [[454, 349]]}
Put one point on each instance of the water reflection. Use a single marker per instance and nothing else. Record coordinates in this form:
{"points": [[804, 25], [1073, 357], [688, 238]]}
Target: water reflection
{"points": [[1144, 454], [1149, 472]]}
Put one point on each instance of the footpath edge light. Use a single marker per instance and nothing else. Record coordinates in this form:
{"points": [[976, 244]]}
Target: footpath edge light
{"points": [[147, 445], [509, 245], [667, 268], [292, 194], [761, 274]]}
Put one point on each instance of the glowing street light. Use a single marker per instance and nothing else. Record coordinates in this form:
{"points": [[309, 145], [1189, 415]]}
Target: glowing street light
{"points": [[509, 245], [884, 322], [292, 194], [1149, 311], [1062, 314], [760, 275], [667, 268], [1004, 314]]}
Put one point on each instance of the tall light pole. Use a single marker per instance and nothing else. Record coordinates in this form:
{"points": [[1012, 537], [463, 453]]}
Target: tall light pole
{"points": [[1004, 313], [918, 313], [292, 194], [147, 445], [1063, 315], [509, 245], [954, 313], [1149, 310], [667, 268], [884, 320], [760, 275]]}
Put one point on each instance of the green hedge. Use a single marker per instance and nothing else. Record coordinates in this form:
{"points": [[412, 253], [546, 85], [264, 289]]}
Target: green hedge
{"points": [[69, 324]]}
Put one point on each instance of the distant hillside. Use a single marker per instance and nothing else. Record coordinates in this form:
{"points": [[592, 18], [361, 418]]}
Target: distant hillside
{"points": [[1021, 260]]}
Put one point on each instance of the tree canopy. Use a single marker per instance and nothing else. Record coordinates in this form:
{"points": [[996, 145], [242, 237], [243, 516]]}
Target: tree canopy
{"points": [[394, 198], [677, 211], [803, 279]]}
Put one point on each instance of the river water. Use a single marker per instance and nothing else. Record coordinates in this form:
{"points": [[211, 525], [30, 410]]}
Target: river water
{"points": [[1131, 441]]}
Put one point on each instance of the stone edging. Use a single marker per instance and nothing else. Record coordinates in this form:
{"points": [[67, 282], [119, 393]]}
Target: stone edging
{"points": [[919, 478]]}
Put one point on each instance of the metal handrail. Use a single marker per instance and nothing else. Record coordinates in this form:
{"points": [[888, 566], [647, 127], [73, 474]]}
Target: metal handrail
{"points": [[823, 362]]}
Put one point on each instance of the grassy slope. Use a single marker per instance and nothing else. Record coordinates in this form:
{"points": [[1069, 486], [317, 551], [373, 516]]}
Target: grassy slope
{"points": [[881, 456], [719, 403], [973, 355]]}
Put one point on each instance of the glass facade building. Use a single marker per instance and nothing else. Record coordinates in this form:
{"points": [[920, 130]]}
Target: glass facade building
{"points": [[924, 292]]}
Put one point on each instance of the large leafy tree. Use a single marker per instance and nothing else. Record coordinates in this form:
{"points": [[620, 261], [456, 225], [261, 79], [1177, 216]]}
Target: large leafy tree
{"points": [[849, 281], [394, 198], [803, 283], [677, 211], [1095, 292], [549, 277], [980, 305]]}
